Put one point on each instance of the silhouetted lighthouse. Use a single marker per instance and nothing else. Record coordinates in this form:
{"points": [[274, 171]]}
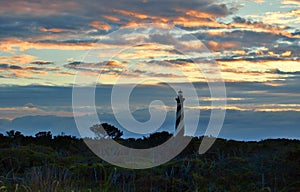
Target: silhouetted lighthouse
{"points": [[179, 113]]}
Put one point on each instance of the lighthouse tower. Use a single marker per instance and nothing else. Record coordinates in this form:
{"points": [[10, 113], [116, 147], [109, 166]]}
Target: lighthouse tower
{"points": [[179, 113]]}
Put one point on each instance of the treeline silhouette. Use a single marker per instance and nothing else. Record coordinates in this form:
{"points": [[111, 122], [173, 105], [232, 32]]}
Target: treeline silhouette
{"points": [[64, 163]]}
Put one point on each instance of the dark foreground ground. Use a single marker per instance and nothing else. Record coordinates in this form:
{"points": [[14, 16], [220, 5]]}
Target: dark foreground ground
{"points": [[63, 163]]}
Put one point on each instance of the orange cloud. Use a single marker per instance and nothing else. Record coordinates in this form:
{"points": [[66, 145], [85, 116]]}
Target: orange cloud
{"points": [[132, 14], [37, 8], [198, 22], [25, 74], [198, 14], [114, 63], [271, 53], [296, 2], [261, 27], [222, 99], [187, 18], [100, 25], [213, 45], [253, 107], [52, 30], [11, 44], [243, 70], [11, 113], [215, 33], [64, 73], [18, 59], [286, 54], [239, 52], [111, 18]]}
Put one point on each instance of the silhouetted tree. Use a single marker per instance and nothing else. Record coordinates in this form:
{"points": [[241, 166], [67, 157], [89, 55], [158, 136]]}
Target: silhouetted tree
{"points": [[43, 137], [44, 134], [159, 138], [13, 134], [15, 138], [106, 130]]}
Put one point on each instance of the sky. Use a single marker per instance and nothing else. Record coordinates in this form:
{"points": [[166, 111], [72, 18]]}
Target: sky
{"points": [[252, 46]]}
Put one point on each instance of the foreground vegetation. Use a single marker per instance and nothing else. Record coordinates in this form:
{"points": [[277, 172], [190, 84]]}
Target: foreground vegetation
{"points": [[64, 163]]}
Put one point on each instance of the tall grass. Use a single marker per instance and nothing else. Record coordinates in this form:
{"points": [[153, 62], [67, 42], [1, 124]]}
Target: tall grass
{"points": [[49, 179]]}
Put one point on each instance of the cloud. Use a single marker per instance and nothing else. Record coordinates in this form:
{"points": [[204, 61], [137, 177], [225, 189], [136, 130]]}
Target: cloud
{"points": [[166, 39], [4, 66], [52, 30], [41, 62], [10, 71], [100, 65], [11, 45], [81, 27], [66, 18], [100, 25], [12, 67], [218, 46], [27, 68], [29, 105], [239, 22], [277, 71], [111, 67], [250, 45], [291, 2], [35, 8], [17, 59], [92, 7], [157, 74], [15, 67], [258, 71]]}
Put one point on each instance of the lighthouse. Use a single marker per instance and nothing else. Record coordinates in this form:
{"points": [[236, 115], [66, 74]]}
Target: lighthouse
{"points": [[179, 113]]}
